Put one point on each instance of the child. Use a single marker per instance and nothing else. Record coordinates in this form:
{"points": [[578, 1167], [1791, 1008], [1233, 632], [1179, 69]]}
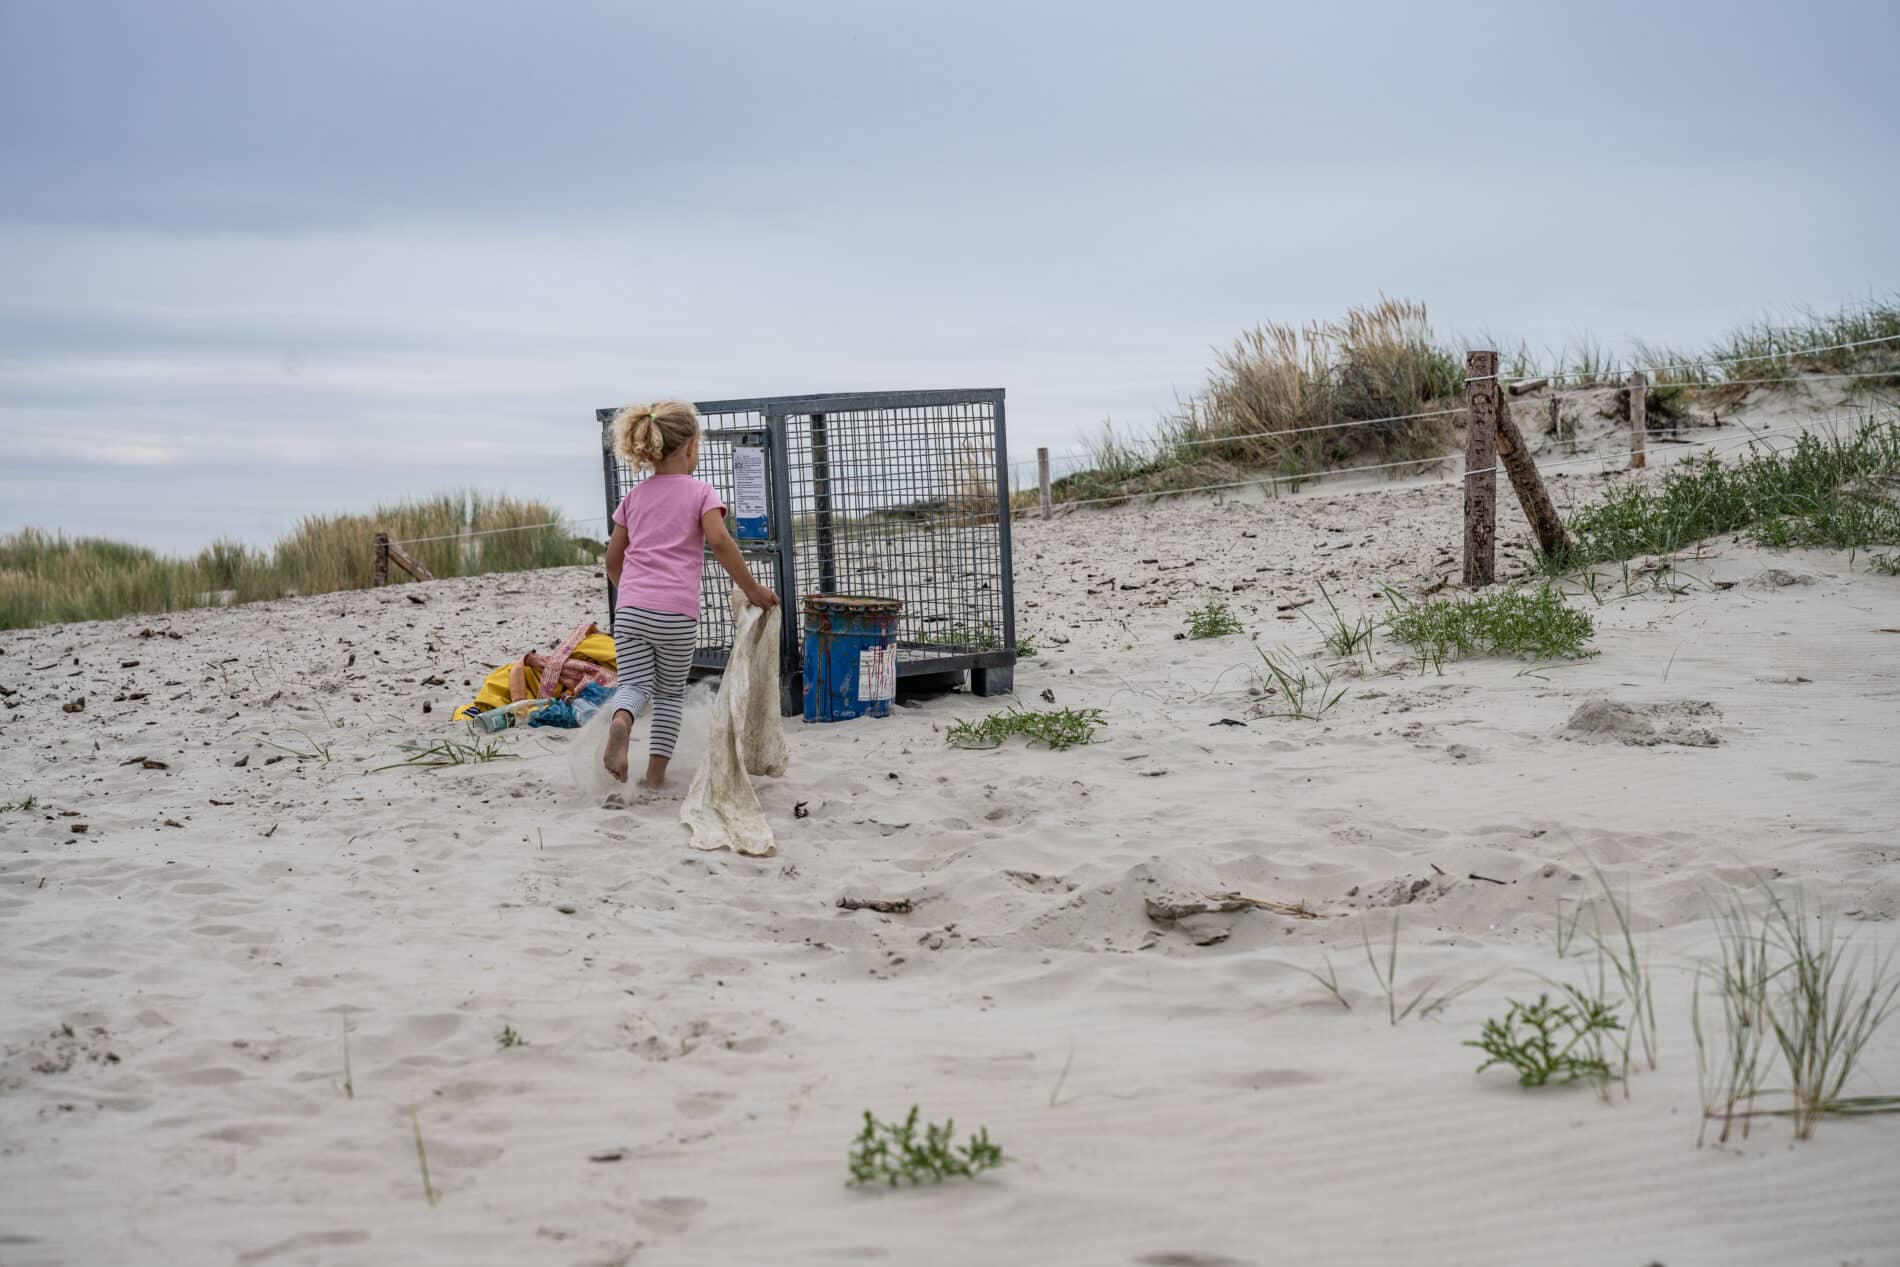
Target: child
{"points": [[662, 528]]}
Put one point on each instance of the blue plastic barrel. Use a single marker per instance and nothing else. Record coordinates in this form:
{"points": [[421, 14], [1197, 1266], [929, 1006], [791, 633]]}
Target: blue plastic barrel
{"points": [[850, 656]]}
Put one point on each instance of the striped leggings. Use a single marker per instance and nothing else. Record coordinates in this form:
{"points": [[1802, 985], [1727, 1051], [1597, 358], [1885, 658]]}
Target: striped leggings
{"points": [[653, 651]]}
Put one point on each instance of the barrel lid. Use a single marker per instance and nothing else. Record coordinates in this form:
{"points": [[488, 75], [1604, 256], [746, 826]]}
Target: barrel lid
{"points": [[855, 604]]}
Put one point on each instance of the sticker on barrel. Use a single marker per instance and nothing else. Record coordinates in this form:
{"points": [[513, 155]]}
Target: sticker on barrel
{"points": [[877, 675]]}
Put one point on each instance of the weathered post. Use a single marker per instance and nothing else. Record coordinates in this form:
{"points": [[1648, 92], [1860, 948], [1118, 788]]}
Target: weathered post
{"points": [[1481, 475], [408, 563], [1556, 419], [1515, 456], [380, 575], [1639, 418], [1042, 478]]}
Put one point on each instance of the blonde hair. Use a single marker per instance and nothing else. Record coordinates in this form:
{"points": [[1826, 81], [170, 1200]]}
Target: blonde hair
{"points": [[647, 435]]}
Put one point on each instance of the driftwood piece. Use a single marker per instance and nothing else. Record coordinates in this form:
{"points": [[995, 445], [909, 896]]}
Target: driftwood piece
{"points": [[883, 906], [1168, 909], [1525, 386]]}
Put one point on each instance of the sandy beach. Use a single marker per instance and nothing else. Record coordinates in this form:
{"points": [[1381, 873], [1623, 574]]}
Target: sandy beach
{"points": [[214, 891]]}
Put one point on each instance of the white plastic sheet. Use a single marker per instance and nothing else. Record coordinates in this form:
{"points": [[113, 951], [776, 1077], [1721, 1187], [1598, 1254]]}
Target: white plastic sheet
{"points": [[746, 738]]}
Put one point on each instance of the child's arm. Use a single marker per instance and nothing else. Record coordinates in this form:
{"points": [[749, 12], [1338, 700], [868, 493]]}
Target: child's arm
{"points": [[726, 550], [616, 552]]}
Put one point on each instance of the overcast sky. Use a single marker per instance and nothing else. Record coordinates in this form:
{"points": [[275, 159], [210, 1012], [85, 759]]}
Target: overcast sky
{"points": [[262, 259]]}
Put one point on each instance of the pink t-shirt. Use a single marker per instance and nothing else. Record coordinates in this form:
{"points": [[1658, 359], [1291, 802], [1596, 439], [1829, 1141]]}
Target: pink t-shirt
{"points": [[666, 545]]}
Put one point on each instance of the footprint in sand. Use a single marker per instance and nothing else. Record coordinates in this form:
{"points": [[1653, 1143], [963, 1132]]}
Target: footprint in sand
{"points": [[670, 1215]]}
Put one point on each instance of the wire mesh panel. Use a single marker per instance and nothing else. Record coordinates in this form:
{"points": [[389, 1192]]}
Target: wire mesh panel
{"points": [[888, 495], [902, 502]]}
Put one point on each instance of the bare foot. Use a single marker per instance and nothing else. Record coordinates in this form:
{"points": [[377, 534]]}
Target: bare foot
{"points": [[656, 772], [617, 733]]}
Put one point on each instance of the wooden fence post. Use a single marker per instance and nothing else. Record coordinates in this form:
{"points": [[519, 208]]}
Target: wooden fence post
{"points": [[1639, 419], [408, 563], [1557, 419], [1481, 475], [1515, 456], [1042, 478], [380, 575]]}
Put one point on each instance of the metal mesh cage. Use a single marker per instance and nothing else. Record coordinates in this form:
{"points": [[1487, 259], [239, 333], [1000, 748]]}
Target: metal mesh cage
{"points": [[895, 495]]}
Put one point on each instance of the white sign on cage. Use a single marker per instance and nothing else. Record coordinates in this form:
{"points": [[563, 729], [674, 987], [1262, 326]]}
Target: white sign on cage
{"points": [[749, 493]]}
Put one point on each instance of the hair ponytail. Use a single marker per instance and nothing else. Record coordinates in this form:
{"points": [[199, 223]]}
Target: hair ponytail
{"points": [[647, 435]]}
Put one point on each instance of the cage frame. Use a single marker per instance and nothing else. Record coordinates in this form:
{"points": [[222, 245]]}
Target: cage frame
{"points": [[991, 671]]}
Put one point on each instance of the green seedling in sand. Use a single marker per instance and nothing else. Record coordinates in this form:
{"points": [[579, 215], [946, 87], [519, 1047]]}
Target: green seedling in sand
{"points": [[349, 1083], [1346, 639], [1329, 979], [1025, 648], [1566, 935], [1212, 621], [892, 1153], [23, 805], [509, 1038], [422, 1157], [1792, 991], [1632, 974], [446, 752], [1529, 625], [1885, 564], [1057, 728], [1307, 691], [1424, 1002], [312, 751], [1543, 1040]]}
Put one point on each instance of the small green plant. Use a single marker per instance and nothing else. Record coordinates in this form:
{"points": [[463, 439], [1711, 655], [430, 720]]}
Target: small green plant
{"points": [[961, 638], [349, 1083], [1025, 648], [312, 751], [1307, 691], [1730, 1075], [892, 1153], [1212, 621], [1346, 639], [1632, 974], [422, 1157], [23, 805], [1567, 929], [1530, 625], [1885, 564], [1424, 1002], [1057, 728], [445, 752], [510, 1038], [1329, 979], [1794, 993], [1542, 1040], [1823, 1012]]}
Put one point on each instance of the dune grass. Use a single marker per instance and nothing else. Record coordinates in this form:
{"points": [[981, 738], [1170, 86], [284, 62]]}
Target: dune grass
{"points": [[1797, 999], [1840, 492], [1276, 402], [1057, 728], [47, 578], [1524, 624]]}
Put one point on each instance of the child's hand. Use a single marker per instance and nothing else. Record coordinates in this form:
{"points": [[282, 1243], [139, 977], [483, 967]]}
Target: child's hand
{"points": [[762, 598]]}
